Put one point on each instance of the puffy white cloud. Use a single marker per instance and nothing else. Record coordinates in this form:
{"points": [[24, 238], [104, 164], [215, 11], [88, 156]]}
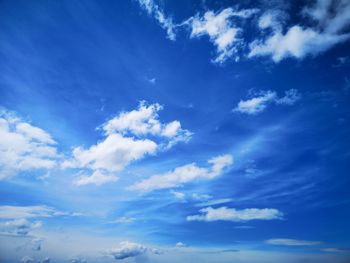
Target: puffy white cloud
{"points": [[128, 249], [264, 98], [223, 33], [331, 16], [24, 147], [231, 214], [18, 227], [19, 212], [166, 22], [145, 121], [125, 143], [291, 242], [112, 154], [184, 174]]}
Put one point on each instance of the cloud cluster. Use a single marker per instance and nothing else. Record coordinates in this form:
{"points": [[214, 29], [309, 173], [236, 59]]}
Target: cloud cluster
{"points": [[128, 249], [291, 242], [24, 147], [259, 103], [125, 142], [322, 26], [184, 174], [210, 214], [18, 227]]}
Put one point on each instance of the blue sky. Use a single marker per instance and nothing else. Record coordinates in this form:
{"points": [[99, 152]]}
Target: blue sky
{"points": [[174, 131]]}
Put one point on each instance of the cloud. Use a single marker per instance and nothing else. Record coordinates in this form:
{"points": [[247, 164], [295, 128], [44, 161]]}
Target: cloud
{"points": [[291, 242], [184, 174], [125, 143], [27, 259], [165, 22], [124, 220], [24, 147], [19, 212], [98, 177], [215, 202], [36, 244], [18, 227], [145, 121], [45, 260], [222, 32], [128, 249], [78, 260], [210, 214], [180, 244], [258, 104], [331, 17], [201, 197], [179, 196]]}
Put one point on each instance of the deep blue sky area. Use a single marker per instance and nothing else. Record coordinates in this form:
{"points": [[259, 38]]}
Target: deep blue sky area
{"points": [[174, 131]]}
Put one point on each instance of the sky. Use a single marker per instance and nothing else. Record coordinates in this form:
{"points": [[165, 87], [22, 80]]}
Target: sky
{"points": [[174, 131]]}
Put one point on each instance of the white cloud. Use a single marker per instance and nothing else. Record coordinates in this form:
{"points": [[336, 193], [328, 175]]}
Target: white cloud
{"points": [[215, 202], [179, 196], [264, 98], [332, 17], [98, 177], [125, 143], [184, 174], [166, 22], [223, 33], [257, 104], [24, 147], [27, 259], [124, 220], [180, 244], [19, 212], [128, 249], [231, 214], [201, 197], [18, 227], [145, 121], [291, 242]]}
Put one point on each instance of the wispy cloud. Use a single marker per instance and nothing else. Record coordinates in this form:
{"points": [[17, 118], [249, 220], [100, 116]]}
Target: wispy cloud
{"points": [[184, 174], [259, 103], [165, 22], [210, 214], [291, 242]]}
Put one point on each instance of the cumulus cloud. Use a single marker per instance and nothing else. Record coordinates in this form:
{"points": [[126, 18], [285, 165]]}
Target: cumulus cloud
{"points": [[331, 17], [165, 22], [231, 214], [221, 29], [24, 147], [184, 174], [291, 242], [125, 142], [128, 249], [259, 103]]}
